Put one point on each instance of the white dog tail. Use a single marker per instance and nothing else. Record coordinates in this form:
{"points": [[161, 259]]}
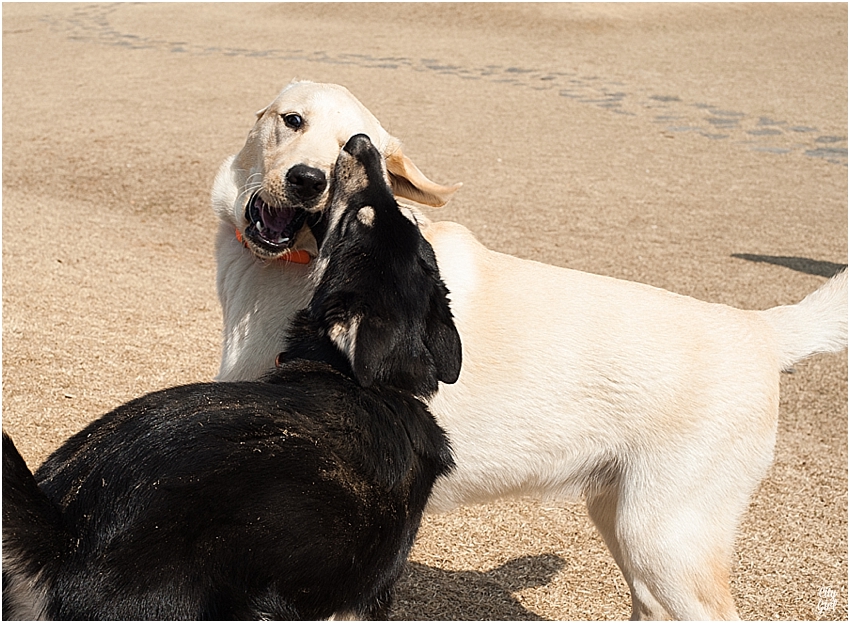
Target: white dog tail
{"points": [[817, 324]]}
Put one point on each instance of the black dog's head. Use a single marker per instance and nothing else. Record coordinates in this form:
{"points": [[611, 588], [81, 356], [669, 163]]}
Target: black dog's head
{"points": [[380, 311]]}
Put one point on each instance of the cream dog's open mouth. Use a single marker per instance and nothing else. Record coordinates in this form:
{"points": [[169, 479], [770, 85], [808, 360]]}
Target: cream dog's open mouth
{"points": [[272, 230]]}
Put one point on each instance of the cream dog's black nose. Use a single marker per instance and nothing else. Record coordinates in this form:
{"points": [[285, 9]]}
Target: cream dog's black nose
{"points": [[306, 182]]}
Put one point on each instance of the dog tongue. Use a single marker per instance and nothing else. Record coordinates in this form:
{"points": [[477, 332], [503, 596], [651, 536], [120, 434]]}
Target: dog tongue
{"points": [[273, 224], [276, 221]]}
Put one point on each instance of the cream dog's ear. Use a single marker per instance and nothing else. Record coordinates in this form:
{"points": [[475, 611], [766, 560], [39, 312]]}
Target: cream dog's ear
{"points": [[409, 182]]}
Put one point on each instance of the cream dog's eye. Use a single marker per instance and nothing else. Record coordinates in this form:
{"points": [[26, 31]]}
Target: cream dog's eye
{"points": [[293, 120]]}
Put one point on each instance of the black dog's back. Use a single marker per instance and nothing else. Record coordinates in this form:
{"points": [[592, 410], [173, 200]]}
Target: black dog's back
{"points": [[231, 522], [297, 497]]}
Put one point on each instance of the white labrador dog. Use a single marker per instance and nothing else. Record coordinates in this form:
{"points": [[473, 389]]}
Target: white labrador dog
{"points": [[659, 409]]}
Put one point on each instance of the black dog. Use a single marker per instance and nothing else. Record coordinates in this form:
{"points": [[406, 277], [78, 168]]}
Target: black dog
{"points": [[296, 497]]}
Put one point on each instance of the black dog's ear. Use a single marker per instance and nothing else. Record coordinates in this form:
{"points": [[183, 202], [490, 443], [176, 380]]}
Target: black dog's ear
{"points": [[408, 351], [441, 336]]}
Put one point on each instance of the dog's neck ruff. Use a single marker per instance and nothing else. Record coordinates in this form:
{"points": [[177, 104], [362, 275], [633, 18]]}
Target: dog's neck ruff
{"points": [[295, 256]]}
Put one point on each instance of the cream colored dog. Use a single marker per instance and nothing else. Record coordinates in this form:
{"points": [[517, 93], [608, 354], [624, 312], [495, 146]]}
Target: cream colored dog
{"points": [[659, 409]]}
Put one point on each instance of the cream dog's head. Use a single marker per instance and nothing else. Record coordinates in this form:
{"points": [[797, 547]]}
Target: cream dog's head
{"points": [[276, 190]]}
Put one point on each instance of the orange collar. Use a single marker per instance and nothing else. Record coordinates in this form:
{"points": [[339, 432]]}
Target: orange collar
{"points": [[296, 256]]}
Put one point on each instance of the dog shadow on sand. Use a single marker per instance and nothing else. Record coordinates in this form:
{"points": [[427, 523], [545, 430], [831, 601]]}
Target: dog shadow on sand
{"points": [[800, 264], [429, 594]]}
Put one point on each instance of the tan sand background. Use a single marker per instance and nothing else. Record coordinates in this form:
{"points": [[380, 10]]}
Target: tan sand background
{"points": [[699, 148]]}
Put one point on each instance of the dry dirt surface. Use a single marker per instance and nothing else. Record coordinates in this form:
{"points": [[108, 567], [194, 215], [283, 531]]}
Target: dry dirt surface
{"points": [[699, 148]]}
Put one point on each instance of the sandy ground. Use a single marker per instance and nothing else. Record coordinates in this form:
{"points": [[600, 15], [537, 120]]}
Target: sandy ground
{"points": [[699, 148]]}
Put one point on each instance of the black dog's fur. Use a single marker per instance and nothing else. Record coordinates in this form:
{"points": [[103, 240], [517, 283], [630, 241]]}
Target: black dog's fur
{"points": [[296, 497]]}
